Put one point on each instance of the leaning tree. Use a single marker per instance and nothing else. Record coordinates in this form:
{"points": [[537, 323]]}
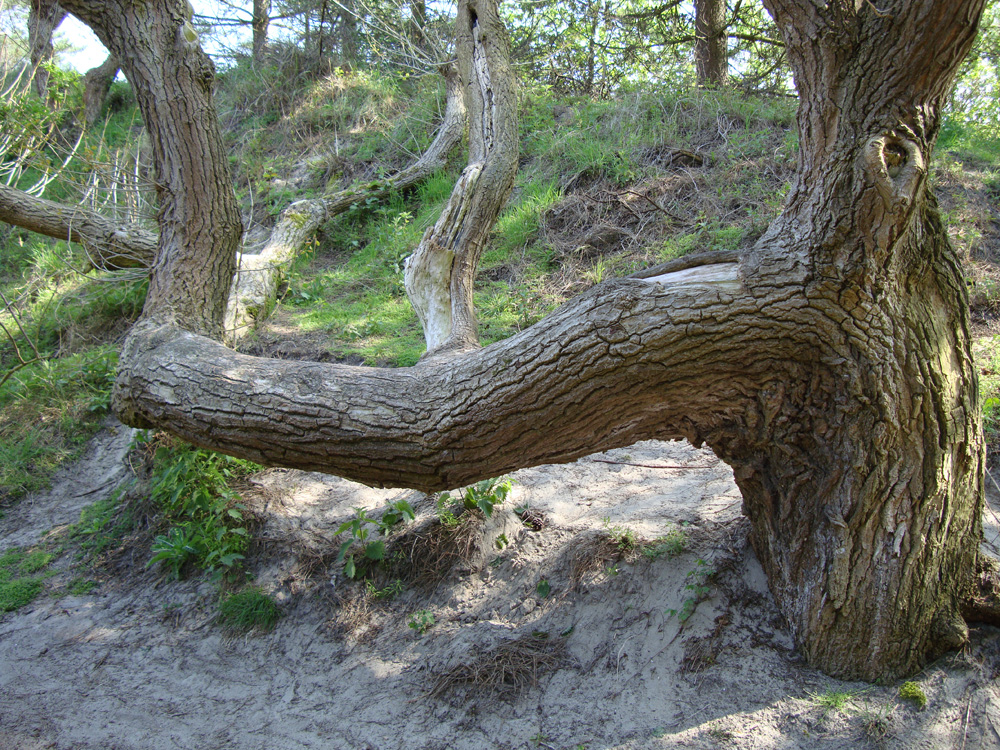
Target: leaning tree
{"points": [[829, 364]]}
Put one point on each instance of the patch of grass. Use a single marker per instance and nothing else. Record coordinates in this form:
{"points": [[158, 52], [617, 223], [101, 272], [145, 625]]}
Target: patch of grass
{"points": [[19, 584], [102, 525], [81, 586], [987, 355], [624, 538], [671, 544], [832, 700], [247, 610]]}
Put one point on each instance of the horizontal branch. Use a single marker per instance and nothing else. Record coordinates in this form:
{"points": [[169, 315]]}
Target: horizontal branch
{"points": [[631, 359]]}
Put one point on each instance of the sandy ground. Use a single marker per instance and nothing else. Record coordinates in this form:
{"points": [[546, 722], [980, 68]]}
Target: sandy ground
{"points": [[141, 663]]}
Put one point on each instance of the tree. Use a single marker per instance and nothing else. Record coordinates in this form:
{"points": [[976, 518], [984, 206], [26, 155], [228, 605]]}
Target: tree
{"points": [[44, 17], [261, 20], [829, 365], [711, 57]]}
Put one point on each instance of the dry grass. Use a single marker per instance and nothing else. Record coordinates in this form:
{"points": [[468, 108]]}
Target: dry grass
{"points": [[423, 556], [505, 670]]}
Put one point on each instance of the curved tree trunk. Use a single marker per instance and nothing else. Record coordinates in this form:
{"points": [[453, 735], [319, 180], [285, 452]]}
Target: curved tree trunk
{"points": [[441, 272], [255, 286], [830, 365]]}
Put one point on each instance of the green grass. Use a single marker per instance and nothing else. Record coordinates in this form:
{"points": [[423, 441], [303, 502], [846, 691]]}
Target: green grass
{"points": [[987, 355], [247, 610], [19, 582], [102, 525]]}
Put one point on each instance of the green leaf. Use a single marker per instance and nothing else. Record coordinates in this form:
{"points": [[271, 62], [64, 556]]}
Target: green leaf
{"points": [[343, 550], [375, 550], [349, 569], [543, 588]]}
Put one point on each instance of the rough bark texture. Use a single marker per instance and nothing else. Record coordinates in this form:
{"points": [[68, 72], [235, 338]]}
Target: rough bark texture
{"points": [[711, 55], [44, 17], [830, 365], [441, 272], [96, 85]]}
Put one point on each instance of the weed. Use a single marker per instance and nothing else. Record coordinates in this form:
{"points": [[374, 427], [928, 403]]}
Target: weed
{"points": [[102, 525], [832, 700], [543, 588], [249, 609], [387, 592], [207, 526], [360, 530], [877, 723], [421, 621], [673, 543], [482, 496], [698, 588], [624, 538], [911, 691]]}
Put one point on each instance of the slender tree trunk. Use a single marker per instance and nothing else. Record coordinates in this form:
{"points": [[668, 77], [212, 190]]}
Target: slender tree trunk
{"points": [[261, 20], [96, 84], [441, 272], [711, 55], [830, 365], [44, 17]]}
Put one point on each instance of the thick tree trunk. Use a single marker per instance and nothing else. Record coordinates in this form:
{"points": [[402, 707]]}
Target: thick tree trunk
{"points": [[96, 85], [44, 17], [711, 54], [441, 272], [830, 365]]}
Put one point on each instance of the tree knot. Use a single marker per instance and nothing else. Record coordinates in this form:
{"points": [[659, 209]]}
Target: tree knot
{"points": [[897, 167]]}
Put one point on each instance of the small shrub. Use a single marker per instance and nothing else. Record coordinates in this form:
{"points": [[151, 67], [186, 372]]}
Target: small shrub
{"points": [[206, 519], [482, 496], [624, 538], [249, 609]]}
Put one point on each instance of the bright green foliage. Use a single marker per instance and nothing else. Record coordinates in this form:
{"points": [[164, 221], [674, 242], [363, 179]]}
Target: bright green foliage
{"points": [[19, 584], [360, 528], [205, 517], [624, 538], [249, 609], [482, 496], [697, 588], [911, 691]]}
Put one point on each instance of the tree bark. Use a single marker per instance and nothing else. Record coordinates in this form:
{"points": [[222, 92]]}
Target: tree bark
{"points": [[830, 366], [441, 272], [711, 55], [96, 84], [44, 17], [261, 20]]}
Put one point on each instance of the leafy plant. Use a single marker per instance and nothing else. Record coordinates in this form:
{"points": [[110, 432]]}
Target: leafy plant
{"points": [[421, 621], [249, 609], [482, 496], [673, 543], [698, 588], [207, 525], [360, 528]]}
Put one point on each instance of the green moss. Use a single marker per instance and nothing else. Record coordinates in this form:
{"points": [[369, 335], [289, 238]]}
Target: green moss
{"points": [[911, 691]]}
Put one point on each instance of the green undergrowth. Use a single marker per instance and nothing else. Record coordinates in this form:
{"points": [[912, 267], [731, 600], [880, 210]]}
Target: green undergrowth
{"points": [[22, 577], [205, 524], [58, 352]]}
